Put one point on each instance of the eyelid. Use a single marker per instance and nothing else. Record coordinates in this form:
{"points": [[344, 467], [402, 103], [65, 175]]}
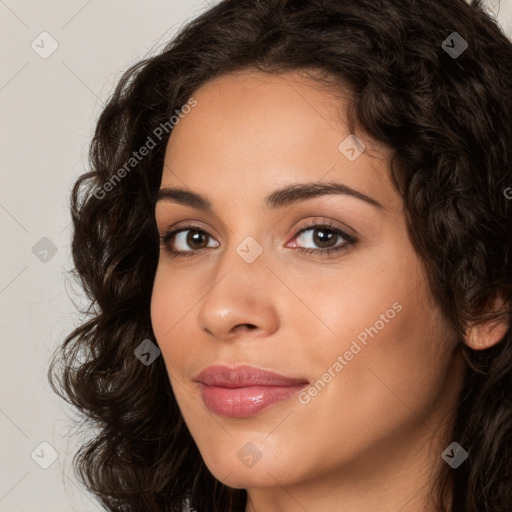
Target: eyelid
{"points": [[311, 224], [326, 221], [183, 225]]}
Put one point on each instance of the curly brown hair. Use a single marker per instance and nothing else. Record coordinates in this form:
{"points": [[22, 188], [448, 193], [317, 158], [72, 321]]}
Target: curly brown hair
{"points": [[449, 121]]}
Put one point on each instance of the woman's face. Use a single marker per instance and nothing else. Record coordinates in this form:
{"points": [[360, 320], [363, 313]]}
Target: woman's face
{"points": [[368, 365]]}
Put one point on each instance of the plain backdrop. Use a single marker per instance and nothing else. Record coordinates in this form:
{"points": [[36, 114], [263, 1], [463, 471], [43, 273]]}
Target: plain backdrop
{"points": [[49, 103]]}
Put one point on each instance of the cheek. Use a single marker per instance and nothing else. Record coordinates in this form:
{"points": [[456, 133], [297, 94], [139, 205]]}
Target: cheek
{"points": [[387, 390], [171, 301], [391, 337], [398, 366], [160, 307], [167, 316]]}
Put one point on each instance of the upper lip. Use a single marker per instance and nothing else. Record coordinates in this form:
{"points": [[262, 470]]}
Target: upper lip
{"points": [[243, 376]]}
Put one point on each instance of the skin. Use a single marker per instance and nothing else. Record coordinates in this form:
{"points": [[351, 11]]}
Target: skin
{"points": [[372, 438]]}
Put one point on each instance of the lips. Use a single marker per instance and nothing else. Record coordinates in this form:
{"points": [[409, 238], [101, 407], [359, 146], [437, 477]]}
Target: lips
{"points": [[244, 390]]}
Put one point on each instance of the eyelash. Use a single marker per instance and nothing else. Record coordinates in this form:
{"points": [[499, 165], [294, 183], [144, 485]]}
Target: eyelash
{"points": [[349, 240]]}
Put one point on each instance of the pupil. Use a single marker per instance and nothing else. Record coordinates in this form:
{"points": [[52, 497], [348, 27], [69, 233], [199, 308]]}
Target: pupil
{"points": [[193, 240], [321, 240]]}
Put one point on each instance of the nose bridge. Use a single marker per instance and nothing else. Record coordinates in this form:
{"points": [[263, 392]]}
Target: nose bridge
{"points": [[245, 244], [242, 267]]}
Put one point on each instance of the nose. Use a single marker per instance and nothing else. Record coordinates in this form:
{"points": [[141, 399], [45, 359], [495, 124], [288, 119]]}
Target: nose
{"points": [[241, 300]]}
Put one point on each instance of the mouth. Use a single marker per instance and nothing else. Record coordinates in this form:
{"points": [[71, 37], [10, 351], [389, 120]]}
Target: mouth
{"points": [[244, 390]]}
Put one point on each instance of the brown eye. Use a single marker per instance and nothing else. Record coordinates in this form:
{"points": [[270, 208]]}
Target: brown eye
{"points": [[196, 239], [186, 241], [324, 237]]}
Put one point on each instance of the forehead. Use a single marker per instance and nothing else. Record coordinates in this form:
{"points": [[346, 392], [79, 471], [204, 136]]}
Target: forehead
{"points": [[253, 128], [255, 104]]}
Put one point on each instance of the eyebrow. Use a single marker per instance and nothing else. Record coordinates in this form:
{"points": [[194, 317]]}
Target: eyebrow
{"points": [[277, 199]]}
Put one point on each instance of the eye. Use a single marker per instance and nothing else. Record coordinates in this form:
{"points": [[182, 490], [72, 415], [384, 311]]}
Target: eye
{"points": [[196, 238], [329, 238]]}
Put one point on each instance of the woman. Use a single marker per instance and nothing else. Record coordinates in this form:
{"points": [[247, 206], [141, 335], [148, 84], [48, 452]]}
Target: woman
{"points": [[297, 240]]}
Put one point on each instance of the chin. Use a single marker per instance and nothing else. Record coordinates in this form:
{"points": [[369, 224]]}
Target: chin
{"points": [[238, 477], [242, 469]]}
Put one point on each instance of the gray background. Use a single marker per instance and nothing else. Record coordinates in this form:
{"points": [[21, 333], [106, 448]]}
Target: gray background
{"points": [[48, 110]]}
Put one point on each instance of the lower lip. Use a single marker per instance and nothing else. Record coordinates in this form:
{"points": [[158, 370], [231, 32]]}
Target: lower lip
{"points": [[243, 402]]}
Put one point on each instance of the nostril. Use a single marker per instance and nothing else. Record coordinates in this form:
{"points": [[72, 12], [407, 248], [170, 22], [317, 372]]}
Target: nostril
{"points": [[245, 327]]}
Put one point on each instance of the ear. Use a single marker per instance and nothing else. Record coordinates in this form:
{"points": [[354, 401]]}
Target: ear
{"points": [[488, 334]]}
